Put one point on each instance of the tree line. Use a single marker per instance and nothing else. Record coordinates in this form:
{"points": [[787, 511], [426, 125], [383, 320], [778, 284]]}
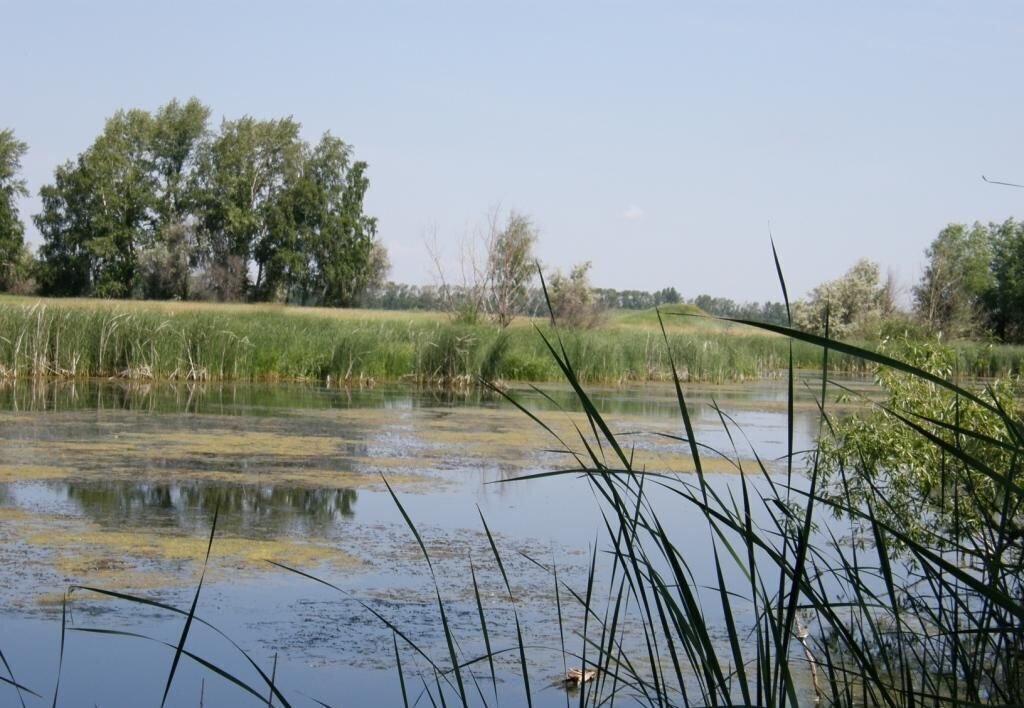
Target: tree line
{"points": [[162, 206], [403, 296], [973, 283], [972, 286]]}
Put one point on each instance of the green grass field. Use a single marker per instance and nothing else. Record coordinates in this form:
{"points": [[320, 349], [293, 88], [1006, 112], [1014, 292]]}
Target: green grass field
{"points": [[201, 341]]}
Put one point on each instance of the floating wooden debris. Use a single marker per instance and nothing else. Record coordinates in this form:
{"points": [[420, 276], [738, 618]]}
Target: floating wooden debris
{"points": [[574, 678]]}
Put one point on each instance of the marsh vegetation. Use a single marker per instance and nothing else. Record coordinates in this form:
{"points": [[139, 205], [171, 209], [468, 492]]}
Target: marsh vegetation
{"points": [[79, 339], [802, 589]]}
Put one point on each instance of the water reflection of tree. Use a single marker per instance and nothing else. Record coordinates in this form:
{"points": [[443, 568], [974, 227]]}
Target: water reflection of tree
{"points": [[251, 510]]}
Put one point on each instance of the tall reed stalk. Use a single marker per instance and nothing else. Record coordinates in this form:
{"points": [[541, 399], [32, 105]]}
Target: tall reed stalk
{"points": [[832, 619]]}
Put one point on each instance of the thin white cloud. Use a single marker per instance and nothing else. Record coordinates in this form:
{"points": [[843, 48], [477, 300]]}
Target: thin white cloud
{"points": [[633, 213]]}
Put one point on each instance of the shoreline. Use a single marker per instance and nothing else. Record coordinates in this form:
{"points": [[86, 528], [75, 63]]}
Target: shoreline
{"points": [[150, 342]]}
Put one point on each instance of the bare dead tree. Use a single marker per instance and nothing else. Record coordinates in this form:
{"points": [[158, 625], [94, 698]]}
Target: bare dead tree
{"points": [[464, 299], [495, 268]]}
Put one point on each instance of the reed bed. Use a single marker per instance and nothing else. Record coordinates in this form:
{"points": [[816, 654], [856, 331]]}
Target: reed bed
{"points": [[47, 339]]}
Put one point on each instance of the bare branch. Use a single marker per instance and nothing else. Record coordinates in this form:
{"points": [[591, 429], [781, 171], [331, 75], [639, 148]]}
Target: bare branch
{"points": [[1005, 184]]}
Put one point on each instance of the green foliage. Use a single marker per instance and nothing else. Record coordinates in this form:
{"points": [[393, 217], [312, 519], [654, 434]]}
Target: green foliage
{"points": [[974, 281], [347, 260], [12, 231], [1005, 299], [949, 297], [107, 207], [510, 267], [159, 207], [668, 296], [179, 130], [854, 304], [245, 173], [294, 210], [572, 299], [877, 454], [772, 312]]}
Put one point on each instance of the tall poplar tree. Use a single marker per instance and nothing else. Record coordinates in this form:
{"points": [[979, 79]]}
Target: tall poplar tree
{"points": [[12, 231]]}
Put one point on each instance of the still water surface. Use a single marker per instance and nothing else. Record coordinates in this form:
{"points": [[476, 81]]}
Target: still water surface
{"points": [[113, 486]]}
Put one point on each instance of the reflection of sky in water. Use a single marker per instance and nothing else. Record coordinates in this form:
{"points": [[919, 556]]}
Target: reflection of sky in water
{"points": [[266, 492]]}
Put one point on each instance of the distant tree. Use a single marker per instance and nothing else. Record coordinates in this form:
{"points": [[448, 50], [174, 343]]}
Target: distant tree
{"points": [[772, 312], [346, 258], [399, 296], [378, 269], [1005, 298], [292, 211], [950, 296], [573, 300], [12, 230], [667, 296], [495, 268], [854, 303], [119, 220], [462, 295], [510, 266], [160, 207], [97, 212], [610, 298], [178, 133], [242, 174], [723, 307], [65, 266]]}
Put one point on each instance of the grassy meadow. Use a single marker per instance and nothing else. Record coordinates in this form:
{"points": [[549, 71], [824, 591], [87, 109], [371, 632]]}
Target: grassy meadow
{"points": [[81, 338]]}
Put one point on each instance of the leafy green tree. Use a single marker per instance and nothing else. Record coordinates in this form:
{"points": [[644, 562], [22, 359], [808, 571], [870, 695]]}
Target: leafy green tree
{"points": [[346, 249], [949, 298], [336, 257], [12, 231], [119, 220], [293, 211], [874, 455], [510, 267], [667, 296], [572, 298], [178, 134], [157, 205], [65, 264], [96, 213], [1005, 298], [242, 173], [855, 303]]}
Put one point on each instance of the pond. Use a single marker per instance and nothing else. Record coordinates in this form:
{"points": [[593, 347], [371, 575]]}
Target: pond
{"points": [[115, 486]]}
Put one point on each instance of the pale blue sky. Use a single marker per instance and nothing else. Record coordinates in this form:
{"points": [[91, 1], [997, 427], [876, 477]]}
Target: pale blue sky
{"points": [[658, 140]]}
